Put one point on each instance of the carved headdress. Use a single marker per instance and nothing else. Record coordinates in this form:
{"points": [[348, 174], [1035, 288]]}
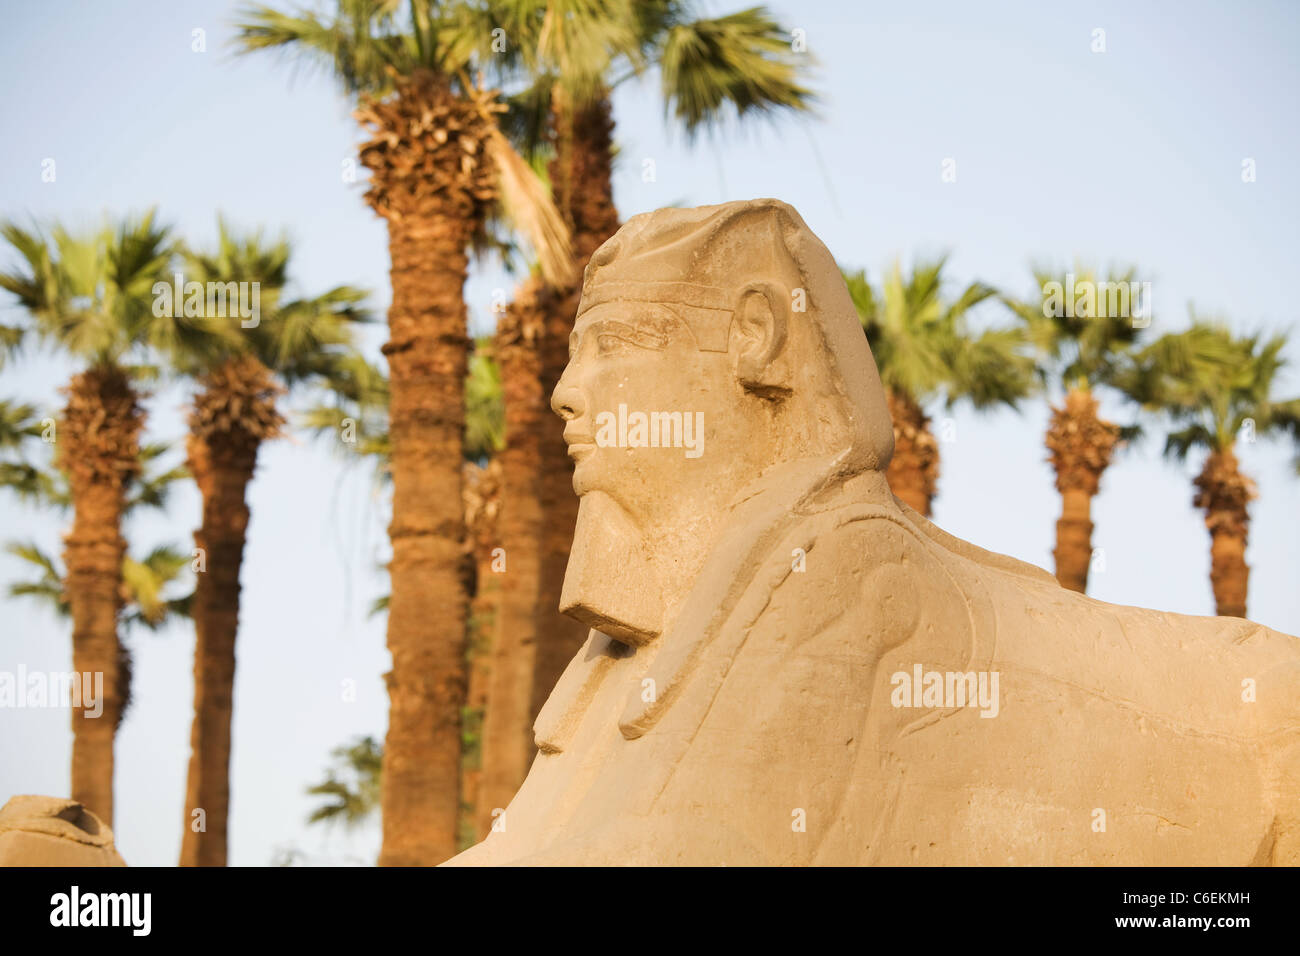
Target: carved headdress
{"points": [[734, 249]]}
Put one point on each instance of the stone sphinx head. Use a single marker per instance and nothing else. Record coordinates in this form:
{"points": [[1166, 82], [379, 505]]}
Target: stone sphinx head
{"points": [[714, 348], [52, 831]]}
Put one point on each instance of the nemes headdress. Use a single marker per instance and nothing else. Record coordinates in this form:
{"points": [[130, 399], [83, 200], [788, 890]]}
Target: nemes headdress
{"points": [[699, 263]]}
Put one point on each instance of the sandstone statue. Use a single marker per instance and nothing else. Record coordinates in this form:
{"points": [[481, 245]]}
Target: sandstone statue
{"points": [[52, 831], [786, 665]]}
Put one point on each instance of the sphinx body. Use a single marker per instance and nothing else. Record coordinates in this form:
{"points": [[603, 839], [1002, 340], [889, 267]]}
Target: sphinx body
{"points": [[782, 745], [750, 704]]}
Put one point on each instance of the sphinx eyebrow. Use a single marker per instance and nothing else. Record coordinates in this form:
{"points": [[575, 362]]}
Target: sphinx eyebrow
{"points": [[638, 335]]}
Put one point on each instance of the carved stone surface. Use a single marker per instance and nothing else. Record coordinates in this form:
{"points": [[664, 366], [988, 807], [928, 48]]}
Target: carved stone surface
{"points": [[789, 666], [52, 831]]}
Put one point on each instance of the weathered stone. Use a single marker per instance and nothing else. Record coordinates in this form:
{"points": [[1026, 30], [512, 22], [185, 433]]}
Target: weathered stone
{"points": [[789, 666], [52, 831]]}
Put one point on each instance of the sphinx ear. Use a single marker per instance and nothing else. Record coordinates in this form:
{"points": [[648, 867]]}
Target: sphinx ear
{"points": [[762, 318]]}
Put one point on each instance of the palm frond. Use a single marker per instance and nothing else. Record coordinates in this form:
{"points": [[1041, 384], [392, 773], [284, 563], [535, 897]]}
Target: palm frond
{"points": [[11, 341], [992, 369], [1210, 383], [526, 121], [146, 582], [739, 64], [351, 784], [47, 586], [923, 344], [530, 208], [485, 417], [90, 293], [19, 423], [1082, 323], [359, 45], [1179, 443], [33, 484]]}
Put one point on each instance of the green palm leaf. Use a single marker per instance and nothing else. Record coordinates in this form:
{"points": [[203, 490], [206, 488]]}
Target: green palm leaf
{"points": [[1211, 384], [738, 64], [924, 345]]}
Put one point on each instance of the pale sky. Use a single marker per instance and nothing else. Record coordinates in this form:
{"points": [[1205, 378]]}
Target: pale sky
{"points": [[1133, 155]]}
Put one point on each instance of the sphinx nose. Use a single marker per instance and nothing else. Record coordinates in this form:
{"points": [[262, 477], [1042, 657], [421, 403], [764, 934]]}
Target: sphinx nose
{"points": [[566, 400]]}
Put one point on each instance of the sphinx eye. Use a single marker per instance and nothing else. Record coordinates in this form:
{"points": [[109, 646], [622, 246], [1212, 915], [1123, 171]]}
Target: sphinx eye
{"points": [[611, 344]]}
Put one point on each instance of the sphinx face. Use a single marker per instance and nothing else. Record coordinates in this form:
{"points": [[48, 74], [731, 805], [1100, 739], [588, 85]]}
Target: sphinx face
{"points": [[644, 408]]}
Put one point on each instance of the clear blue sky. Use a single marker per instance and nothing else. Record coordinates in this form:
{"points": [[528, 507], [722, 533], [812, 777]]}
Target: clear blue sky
{"points": [[1132, 155]]}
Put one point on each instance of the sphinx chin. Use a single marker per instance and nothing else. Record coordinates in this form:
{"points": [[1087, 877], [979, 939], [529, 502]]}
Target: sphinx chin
{"points": [[608, 554]]}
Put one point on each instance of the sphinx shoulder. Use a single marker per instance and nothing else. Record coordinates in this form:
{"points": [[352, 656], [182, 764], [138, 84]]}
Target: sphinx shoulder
{"points": [[874, 574], [882, 553]]}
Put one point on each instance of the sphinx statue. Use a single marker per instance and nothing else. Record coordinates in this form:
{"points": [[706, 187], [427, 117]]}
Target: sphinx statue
{"points": [[787, 665], [52, 831]]}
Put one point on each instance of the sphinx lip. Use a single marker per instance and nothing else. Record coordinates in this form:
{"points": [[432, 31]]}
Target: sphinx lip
{"points": [[579, 450], [572, 436]]}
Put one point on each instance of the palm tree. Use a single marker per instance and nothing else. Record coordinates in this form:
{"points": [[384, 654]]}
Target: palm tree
{"points": [[240, 373], [711, 70], [1214, 387], [924, 349], [439, 167], [91, 296], [1079, 349]]}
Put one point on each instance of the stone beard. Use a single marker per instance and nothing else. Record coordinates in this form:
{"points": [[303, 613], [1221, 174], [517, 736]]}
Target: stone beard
{"points": [[756, 612]]}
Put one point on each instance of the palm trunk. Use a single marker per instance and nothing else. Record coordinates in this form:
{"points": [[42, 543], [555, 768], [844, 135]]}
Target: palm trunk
{"points": [[913, 472], [1081, 446], [99, 445], [220, 539], [482, 505], [507, 737], [233, 413], [427, 353], [1224, 493], [432, 182], [1073, 550], [587, 198]]}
